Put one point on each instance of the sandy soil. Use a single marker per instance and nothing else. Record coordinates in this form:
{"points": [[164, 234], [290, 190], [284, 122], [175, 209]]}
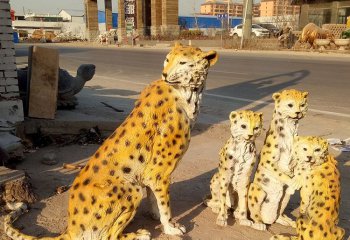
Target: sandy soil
{"points": [[190, 184]]}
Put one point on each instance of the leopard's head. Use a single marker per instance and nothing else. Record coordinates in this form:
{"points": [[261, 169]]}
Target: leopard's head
{"points": [[291, 103], [246, 124], [310, 150], [187, 66], [186, 69]]}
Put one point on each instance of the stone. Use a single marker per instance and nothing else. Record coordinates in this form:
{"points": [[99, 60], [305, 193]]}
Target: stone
{"points": [[50, 158]]}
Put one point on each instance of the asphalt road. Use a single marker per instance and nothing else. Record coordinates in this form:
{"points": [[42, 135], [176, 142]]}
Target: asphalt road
{"points": [[238, 80]]}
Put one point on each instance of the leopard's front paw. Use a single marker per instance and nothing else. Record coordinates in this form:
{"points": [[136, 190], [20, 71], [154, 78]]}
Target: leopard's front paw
{"points": [[143, 234], [286, 221], [259, 226], [294, 184], [174, 229], [221, 220], [245, 222]]}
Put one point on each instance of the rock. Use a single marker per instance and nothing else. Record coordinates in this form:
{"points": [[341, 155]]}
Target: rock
{"points": [[50, 158]]}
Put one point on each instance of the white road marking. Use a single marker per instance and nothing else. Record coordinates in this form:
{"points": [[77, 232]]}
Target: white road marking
{"points": [[234, 98]]}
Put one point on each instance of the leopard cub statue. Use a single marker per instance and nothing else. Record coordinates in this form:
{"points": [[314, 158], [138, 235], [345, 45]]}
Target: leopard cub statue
{"points": [[229, 185], [142, 152], [320, 191], [267, 196]]}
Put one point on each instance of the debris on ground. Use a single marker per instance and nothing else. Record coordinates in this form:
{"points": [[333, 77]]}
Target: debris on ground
{"points": [[72, 166], [340, 145], [62, 189], [16, 187]]}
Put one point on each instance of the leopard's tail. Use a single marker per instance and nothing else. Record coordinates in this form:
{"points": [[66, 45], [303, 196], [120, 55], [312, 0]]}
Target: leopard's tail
{"points": [[17, 210], [282, 237]]}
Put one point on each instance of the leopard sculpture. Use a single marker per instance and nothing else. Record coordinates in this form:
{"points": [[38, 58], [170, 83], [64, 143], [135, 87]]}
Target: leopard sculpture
{"points": [[311, 32], [320, 191], [237, 159], [142, 152], [267, 197]]}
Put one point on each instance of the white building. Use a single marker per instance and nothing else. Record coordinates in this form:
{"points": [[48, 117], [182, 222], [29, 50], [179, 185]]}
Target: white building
{"points": [[75, 16]]}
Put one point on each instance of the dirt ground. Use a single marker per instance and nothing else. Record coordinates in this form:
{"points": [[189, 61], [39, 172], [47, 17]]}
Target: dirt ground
{"points": [[190, 184]]}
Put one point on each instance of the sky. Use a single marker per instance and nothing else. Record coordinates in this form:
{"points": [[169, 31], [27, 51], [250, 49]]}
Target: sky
{"points": [[186, 7]]}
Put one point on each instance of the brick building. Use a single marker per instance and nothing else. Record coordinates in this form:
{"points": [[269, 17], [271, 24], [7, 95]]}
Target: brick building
{"points": [[213, 7], [273, 8]]}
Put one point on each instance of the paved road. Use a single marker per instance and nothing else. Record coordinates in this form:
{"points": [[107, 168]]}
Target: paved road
{"points": [[238, 80]]}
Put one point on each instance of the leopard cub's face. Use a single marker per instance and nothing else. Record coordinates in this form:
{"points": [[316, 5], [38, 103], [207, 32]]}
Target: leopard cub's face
{"points": [[311, 150], [246, 124], [187, 66], [291, 103]]}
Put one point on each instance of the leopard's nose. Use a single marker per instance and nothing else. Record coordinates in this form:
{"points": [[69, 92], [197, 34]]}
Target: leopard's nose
{"points": [[309, 158], [164, 75]]}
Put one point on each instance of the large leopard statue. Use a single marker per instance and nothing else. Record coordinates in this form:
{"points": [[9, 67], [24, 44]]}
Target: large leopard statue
{"points": [[311, 32], [143, 151], [267, 197], [237, 159], [320, 191]]}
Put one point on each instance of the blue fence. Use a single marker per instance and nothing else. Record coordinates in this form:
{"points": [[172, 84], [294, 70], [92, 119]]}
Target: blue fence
{"points": [[185, 22], [102, 18]]}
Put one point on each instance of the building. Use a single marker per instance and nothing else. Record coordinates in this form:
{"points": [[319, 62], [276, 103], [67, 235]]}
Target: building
{"points": [[274, 8], [213, 7], [43, 17], [323, 12], [70, 15]]}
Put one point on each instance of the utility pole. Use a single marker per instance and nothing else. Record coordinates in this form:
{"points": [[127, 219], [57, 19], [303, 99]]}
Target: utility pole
{"points": [[247, 20], [228, 15]]}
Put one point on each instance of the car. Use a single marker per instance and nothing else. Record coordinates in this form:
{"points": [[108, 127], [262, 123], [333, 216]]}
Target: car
{"points": [[257, 31], [274, 31]]}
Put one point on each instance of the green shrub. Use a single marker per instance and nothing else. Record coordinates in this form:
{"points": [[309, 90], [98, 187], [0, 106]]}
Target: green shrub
{"points": [[346, 34]]}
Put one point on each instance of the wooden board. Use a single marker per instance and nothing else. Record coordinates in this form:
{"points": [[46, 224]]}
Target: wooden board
{"points": [[8, 175], [44, 65]]}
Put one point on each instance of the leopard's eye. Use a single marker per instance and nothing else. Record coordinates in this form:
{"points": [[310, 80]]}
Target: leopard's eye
{"points": [[317, 149], [182, 63], [167, 60], [243, 126], [302, 105], [290, 105], [305, 149]]}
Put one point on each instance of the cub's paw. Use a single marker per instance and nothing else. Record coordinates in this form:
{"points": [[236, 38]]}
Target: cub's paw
{"points": [[259, 226], [215, 207], [174, 229], [286, 221], [143, 234], [245, 222], [221, 221]]}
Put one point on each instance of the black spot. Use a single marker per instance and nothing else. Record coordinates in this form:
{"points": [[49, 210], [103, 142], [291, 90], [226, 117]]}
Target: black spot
{"points": [[112, 172], [76, 186], [97, 216], [126, 170], [96, 168], [97, 154], [109, 210], [82, 197], [86, 181], [86, 211], [93, 200], [141, 159]]}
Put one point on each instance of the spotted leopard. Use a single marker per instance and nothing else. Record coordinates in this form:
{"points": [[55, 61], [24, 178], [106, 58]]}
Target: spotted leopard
{"points": [[267, 197], [229, 185], [142, 152], [320, 191]]}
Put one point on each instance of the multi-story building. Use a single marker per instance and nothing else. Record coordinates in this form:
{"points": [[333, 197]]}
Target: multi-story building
{"points": [[213, 7], [276, 8]]}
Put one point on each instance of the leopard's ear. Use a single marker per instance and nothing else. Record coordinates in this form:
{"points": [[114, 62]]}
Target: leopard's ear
{"points": [[211, 56], [305, 94], [177, 45], [276, 96], [233, 115]]}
